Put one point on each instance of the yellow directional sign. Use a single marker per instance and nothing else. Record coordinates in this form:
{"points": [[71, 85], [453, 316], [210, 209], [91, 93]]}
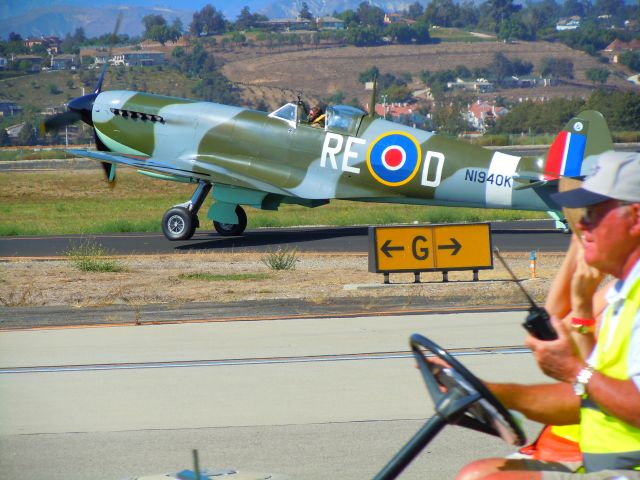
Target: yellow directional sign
{"points": [[430, 248]]}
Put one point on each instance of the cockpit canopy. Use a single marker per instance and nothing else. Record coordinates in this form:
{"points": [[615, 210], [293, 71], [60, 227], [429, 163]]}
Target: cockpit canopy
{"points": [[343, 119]]}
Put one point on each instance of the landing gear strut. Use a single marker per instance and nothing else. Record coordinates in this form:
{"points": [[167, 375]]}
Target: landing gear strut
{"points": [[180, 221]]}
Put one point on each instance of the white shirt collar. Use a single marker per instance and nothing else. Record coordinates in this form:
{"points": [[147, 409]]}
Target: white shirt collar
{"points": [[620, 289]]}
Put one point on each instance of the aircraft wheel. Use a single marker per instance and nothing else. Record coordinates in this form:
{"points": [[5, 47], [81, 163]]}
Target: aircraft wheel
{"points": [[232, 229], [179, 224]]}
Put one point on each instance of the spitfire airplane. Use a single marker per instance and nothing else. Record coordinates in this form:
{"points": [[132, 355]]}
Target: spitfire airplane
{"points": [[262, 160]]}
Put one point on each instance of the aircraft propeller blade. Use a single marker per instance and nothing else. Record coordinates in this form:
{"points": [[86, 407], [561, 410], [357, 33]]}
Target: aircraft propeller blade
{"points": [[113, 40], [109, 168], [55, 122]]}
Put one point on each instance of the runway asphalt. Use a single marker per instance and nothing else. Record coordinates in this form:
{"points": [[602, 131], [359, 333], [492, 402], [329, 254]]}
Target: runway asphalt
{"points": [[518, 236]]}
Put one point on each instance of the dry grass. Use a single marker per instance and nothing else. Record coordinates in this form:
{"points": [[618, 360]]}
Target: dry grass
{"points": [[318, 278], [324, 71]]}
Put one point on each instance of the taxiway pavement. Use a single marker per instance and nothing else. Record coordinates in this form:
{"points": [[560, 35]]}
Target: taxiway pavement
{"points": [[307, 398]]}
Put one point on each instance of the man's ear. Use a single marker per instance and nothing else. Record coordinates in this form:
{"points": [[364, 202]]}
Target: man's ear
{"points": [[634, 212]]}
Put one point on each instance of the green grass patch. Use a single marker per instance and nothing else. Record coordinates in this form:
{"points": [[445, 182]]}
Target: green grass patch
{"points": [[281, 259], [89, 256], [79, 202], [211, 277], [16, 154]]}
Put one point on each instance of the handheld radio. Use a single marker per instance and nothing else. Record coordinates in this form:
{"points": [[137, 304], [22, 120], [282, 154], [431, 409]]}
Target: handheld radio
{"points": [[537, 322]]}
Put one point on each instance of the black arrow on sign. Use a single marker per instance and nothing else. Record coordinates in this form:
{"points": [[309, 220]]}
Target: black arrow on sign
{"points": [[386, 248], [455, 246]]}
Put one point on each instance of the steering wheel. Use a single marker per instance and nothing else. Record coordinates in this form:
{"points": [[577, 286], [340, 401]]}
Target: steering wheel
{"points": [[465, 401]]}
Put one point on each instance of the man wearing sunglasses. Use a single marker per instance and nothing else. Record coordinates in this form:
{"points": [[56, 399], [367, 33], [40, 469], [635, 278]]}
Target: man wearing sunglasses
{"points": [[603, 392]]}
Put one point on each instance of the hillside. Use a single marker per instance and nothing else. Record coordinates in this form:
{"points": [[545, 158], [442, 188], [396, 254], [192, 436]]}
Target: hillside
{"points": [[275, 77], [322, 72]]}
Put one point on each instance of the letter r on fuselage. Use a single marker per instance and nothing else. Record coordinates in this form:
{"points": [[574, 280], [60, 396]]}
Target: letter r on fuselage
{"points": [[331, 151]]}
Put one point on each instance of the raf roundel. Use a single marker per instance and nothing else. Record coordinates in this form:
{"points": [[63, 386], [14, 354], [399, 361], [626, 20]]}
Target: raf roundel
{"points": [[394, 158]]}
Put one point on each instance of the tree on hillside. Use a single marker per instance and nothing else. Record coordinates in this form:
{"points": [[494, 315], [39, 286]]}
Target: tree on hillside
{"points": [[514, 29], [369, 15], [415, 11], [631, 60], [597, 75], [369, 75], [615, 8], [364, 36], [207, 21], [421, 32], [444, 13], [575, 7], [247, 20], [621, 109], [499, 11], [400, 32], [556, 67], [157, 29], [305, 13]]}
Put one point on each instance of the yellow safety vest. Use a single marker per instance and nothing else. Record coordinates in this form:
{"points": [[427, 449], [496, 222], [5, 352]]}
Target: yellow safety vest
{"points": [[607, 442]]}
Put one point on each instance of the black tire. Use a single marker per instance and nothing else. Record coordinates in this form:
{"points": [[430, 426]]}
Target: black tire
{"points": [[231, 229], [179, 224]]}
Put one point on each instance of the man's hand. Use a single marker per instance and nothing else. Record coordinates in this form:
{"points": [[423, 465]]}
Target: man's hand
{"points": [[584, 283], [560, 358]]}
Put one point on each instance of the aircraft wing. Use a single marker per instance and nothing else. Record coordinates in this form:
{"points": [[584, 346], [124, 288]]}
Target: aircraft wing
{"points": [[135, 161]]}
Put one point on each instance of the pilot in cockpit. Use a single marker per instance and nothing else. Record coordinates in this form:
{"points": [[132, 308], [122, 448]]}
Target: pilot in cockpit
{"points": [[316, 117]]}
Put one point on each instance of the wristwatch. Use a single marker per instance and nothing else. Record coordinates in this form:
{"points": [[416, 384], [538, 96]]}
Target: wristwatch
{"points": [[580, 385]]}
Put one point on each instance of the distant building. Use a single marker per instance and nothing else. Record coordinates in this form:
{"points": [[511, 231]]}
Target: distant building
{"points": [[571, 23], [405, 113], [3, 63], [390, 18], [618, 47], [478, 86], [482, 114], [14, 130], [35, 62], [64, 62], [51, 43], [286, 24], [9, 108], [138, 58], [329, 23]]}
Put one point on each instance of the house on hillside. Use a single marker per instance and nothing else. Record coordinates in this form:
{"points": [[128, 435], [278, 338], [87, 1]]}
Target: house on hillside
{"points": [[390, 18], [14, 130], [51, 43], [33, 61], [571, 23], [138, 58], [618, 47], [65, 62], [478, 86], [329, 23], [9, 108], [404, 113], [286, 24], [482, 115]]}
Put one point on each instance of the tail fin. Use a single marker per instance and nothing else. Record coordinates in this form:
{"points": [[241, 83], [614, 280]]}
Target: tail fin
{"points": [[573, 151]]}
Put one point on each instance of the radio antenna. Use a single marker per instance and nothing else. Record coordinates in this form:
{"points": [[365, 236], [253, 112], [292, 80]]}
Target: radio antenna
{"points": [[514, 278]]}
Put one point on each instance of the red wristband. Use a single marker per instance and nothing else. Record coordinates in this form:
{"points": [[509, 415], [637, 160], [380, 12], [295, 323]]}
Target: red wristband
{"points": [[582, 322]]}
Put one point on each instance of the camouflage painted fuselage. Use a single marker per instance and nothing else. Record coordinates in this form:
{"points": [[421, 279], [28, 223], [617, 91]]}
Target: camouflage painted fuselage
{"points": [[269, 158]]}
